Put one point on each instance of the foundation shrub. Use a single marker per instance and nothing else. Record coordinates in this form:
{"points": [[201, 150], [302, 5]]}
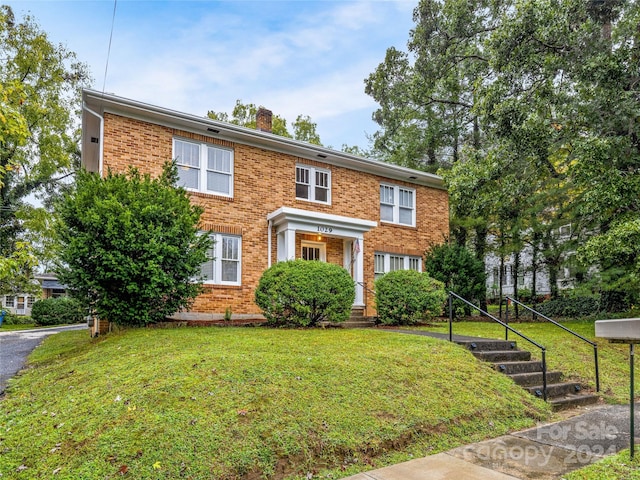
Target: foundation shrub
{"points": [[57, 311], [405, 297], [301, 293]]}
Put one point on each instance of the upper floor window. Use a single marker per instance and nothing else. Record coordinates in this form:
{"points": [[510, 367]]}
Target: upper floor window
{"points": [[389, 262], [397, 205], [224, 264], [203, 167], [313, 184]]}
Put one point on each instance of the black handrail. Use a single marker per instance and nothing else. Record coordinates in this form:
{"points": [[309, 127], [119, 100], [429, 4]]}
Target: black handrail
{"points": [[543, 350], [593, 344]]}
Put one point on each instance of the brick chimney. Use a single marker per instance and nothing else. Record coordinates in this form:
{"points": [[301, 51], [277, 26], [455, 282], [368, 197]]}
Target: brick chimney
{"points": [[263, 120]]}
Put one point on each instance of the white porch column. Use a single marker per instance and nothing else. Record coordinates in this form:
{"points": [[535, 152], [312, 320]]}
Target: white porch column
{"points": [[358, 270], [286, 245]]}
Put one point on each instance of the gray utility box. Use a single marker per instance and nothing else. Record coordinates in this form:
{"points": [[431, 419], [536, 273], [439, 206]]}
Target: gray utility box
{"points": [[623, 330]]}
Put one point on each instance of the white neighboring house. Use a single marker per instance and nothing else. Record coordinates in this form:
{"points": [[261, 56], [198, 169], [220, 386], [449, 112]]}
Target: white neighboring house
{"points": [[566, 274], [21, 303]]}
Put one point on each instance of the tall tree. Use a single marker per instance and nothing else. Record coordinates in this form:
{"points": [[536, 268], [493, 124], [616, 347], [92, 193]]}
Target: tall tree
{"points": [[40, 95], [542, 93]]}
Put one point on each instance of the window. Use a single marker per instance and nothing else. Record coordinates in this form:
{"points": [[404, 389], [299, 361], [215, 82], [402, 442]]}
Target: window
{"points": [[203, 167], [224, 264], [397, 205], [30, 301], [9, 301], [389, 262], [313, 184]]}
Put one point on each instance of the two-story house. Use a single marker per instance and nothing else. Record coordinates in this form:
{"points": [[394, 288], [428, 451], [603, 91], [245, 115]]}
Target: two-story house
{"points": [[267, 198]]}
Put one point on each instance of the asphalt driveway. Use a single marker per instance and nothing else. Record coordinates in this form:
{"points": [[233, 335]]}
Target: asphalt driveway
{"points": [[16, 345]]}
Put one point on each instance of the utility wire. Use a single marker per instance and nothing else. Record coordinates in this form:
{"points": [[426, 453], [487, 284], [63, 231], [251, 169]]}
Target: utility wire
{"points": [[106, 67]]}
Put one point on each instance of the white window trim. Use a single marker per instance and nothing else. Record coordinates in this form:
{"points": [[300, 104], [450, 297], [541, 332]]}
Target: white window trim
{"points": [[312, 183], [387, 261], [216, 248], [396, 205], [202, 169]]}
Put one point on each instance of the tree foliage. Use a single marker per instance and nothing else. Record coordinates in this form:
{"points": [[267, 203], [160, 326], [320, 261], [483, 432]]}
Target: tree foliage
{"points": [[302, 293], [39, 97], [457, 268], [532, 108], [129, 245], [244, 114]]}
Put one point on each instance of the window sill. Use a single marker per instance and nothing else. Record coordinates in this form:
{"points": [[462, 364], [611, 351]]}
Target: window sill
{"points": [[198, 193], [216, 286], [328, 204], [394, 224]]}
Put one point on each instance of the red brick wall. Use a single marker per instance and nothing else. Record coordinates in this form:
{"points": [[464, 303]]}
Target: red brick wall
{"points": [[265, 181]]}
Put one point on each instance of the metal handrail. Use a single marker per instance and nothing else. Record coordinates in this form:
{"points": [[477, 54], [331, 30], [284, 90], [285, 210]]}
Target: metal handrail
{"points": [[593, 344], [543, 350]]}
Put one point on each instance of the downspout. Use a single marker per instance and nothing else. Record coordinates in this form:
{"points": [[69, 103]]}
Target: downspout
{"points": [[101, 147], [269, 227]]}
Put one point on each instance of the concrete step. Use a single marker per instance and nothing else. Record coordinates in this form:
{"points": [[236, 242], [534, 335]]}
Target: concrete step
{"points": [[357, 312], [487, 345], [574, 400], [555, 390], [511, 368], [503, 355], [530, 379]]}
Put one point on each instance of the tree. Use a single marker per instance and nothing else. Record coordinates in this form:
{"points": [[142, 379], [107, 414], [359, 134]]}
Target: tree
{"points": [[15, 271], [245, 115], [39, 95], [129, 245], [458, 270], [541, 99]]}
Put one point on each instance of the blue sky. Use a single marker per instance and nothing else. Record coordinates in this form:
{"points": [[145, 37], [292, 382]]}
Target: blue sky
{"points": [[293, 57]]}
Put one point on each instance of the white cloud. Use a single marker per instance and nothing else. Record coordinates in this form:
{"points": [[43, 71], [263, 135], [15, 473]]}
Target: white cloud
{"points": [[295, 57]]}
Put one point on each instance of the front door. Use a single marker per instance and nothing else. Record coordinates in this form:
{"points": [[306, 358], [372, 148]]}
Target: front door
{"points": [[313, 251], [20, 306]]}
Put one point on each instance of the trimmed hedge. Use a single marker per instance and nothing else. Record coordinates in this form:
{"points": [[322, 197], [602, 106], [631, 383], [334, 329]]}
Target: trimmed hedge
{"points": [[405, 297], [57, 311], [569, 307], [301, 293]]}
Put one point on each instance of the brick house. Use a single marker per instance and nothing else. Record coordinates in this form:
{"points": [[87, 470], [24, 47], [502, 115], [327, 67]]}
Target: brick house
{"points": [[268, 198]]}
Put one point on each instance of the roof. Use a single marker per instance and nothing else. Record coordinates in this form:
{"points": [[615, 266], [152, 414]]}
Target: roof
{"points": [[109, 103]]}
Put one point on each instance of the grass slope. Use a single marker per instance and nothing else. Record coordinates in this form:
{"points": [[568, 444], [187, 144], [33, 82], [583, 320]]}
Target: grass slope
{"points": [[231, 403]]}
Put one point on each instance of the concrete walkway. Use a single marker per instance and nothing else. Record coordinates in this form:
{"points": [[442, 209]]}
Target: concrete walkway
{"points": [[545, 452]]}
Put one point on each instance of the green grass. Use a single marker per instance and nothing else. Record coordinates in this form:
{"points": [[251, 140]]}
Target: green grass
{"points": [[231, 403], [565, 352], [616, 467]]}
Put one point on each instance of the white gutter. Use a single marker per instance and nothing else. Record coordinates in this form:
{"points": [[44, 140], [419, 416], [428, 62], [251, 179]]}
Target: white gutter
{"points": [[269, 226], [101, 147]]}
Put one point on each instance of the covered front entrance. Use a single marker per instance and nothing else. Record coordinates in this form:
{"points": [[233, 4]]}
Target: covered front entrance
{"points": [[321, 236]]}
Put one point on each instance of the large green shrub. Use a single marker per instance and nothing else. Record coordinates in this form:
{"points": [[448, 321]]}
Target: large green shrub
{"points": [[303, 293], [405, 297], [459, 270], [129, 245], [57, 311]]}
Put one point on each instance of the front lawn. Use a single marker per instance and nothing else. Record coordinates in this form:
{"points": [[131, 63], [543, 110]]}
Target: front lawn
{"points": [[230, 403]]}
